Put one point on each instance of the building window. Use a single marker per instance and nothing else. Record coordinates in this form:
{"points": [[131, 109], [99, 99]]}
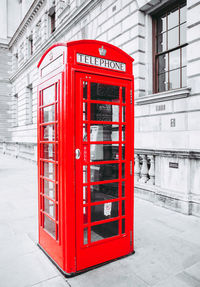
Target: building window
{"points": [[169, 48], [29, 106], [38, 30], [15, 111], [30, 45], [52, 15]]}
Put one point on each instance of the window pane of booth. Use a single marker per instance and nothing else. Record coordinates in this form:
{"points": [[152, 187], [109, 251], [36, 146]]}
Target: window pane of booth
{"points": [[104, 211], [49, 114], [85, 236], [99, 152], [50, 170], [123, 133], [49, 95], [104, 133], [123, 207], [49, 225], [103, 172], [123, 225], [123, 151], [123, 94], [103, 92], [85, 133], [123, 188], [49, 207], [85, 174], [84, 111], [123, 114], [49, 151], [49, 188], [100, 192], [105, 230], [49, 132], [123, 170], [102, 112]]}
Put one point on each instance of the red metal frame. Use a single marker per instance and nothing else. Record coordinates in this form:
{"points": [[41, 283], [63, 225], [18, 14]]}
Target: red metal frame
{"points": [[67, 248]]}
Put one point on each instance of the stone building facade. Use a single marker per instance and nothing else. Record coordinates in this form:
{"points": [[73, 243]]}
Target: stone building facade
{"points": [[163, 37]]}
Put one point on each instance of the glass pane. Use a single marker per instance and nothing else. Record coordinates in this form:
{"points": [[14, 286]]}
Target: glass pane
{"points": [[49, 95], [162, 42], [182, 34], [84, 173], [161, 24], [49, 132], [123, 114], [49, 114], [100, 192], [174, 59], [85, 215], [50, 170], [184, 77], [85, 194], [105, 230], [84, 111], [173, 38], [102, 112], [49, 207], [123, 188], [104, 133], [162, 63], [163, 82], [104, 92], [173, 18], [183, 14], [123, 170], [123, 207], [123, 225], [49, 151], [50, 188], [123, 151], [123, 133], [174, 79], [184, 56], [104, 211], [84, 133], [49, 225], [85, 236], [85, 84], [99, 152], [103, 172], [123, 94]]}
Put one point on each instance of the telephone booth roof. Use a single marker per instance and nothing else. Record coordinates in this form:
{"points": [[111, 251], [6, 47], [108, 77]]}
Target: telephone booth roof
{"points": [[97, 52]]}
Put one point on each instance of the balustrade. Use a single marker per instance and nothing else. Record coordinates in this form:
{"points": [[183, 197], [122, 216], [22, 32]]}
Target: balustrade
{"points": [[144, 168]]}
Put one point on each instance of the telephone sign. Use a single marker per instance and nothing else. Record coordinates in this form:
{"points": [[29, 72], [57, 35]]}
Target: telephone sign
{"points": [[85, 153]]}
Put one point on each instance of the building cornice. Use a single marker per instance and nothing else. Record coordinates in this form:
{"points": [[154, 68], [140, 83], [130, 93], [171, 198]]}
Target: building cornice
{"points": [[73, 17], [25, 22], [164, 96]]}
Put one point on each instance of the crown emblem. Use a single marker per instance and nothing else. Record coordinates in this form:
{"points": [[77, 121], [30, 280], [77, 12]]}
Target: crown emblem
{"points": [[102, 51]]}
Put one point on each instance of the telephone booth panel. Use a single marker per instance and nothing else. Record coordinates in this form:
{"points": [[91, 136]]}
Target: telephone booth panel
{"points": [[85, 154]]}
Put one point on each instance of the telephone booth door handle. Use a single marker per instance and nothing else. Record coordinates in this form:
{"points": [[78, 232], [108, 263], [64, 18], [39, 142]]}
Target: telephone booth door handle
{"points": [[78, 153]]}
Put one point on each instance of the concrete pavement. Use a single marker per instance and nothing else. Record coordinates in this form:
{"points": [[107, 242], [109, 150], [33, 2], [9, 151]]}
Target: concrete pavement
{"points": [[167, 243]]}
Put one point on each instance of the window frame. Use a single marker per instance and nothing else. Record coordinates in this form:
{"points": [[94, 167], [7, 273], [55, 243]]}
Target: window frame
{"points": [[156, 54]]}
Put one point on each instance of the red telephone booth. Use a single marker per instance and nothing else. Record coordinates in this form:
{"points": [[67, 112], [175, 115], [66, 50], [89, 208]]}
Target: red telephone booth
{"points": [[85, 154]]}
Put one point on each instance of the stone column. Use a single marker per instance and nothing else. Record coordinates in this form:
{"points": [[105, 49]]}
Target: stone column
{"points": [[144, 169], [152, 170], [136, 168]]}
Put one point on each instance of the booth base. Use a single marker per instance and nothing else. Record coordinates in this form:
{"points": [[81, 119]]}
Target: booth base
{"points": [[68, 275]]}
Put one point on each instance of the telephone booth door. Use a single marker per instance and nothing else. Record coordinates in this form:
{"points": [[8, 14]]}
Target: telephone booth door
{"points": [[104, 228], [48, 166]]}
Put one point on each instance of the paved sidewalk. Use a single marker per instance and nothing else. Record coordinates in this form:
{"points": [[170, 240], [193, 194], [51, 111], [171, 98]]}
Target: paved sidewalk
{"points": [[167, 244]]}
